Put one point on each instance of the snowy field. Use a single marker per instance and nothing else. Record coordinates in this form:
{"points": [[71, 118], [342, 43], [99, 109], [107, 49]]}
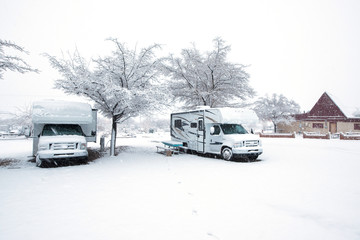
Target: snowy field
{"points": [[299, 189]]}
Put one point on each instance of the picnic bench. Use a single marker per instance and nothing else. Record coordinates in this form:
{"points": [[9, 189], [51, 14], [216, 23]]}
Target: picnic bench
{"points": [[169, 147]]}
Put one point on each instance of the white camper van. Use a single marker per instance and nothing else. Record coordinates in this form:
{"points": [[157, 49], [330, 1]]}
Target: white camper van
{"points": [[220, 131], [61, 130]]}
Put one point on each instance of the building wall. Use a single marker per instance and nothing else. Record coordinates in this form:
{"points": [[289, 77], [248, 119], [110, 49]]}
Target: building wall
{"points": [[308, 126], [348, 127], [304, 126], [288, 128]]}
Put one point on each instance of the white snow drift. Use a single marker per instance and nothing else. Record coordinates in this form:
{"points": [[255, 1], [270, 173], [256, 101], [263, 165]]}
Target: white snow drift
{"points": [[299, 189]]}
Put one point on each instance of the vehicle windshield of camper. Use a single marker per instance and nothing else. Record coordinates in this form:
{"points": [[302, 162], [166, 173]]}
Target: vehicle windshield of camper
{"points": [[233, 129], [62, 129]]}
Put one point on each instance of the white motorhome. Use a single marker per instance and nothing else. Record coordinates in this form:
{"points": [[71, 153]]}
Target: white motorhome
{"points": [[61, 130], [220, 131]]}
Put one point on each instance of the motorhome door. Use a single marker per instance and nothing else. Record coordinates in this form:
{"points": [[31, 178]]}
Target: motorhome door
{"points": [[200, 135]]}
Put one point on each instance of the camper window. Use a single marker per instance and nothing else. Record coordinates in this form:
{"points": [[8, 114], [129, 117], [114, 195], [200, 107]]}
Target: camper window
{"points": [[215, 130], [233, 129], [178, 124], [201, 126], [193, 125]]}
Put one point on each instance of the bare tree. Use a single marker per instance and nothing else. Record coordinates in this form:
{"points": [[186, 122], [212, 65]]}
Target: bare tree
{"points": [[122, 85], [276, 108], [207, 78], [23, 117], [13, 63]]}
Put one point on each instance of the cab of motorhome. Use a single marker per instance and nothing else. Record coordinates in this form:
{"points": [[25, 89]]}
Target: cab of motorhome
{"points": [[61, 131]]}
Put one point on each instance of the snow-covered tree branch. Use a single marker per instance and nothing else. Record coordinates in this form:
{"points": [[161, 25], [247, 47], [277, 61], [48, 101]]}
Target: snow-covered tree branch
{"points": [[13, 63], [122, 85], [207, 78], [276, 108]]}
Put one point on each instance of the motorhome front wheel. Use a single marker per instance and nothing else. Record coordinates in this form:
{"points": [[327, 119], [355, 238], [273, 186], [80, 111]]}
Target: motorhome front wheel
{"points": [[227, 154]]}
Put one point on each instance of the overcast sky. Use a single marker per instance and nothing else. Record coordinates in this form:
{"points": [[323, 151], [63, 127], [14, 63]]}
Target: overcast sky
{"points": [[298, 48]]}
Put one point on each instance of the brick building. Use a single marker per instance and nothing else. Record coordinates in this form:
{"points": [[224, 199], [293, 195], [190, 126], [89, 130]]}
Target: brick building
{"points": [[326, 116]]}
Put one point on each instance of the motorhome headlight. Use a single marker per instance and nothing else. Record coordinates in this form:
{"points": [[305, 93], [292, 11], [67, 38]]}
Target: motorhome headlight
{"points": [[43, 147], [82, 146], [238, 144]]}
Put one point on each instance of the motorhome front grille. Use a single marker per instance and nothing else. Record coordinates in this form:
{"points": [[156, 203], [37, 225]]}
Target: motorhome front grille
{"points": [[251, 143], [64, 146]]}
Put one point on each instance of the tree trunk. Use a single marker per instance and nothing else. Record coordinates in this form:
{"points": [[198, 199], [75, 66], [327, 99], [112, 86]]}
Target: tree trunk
{"points": [[113, 137]]}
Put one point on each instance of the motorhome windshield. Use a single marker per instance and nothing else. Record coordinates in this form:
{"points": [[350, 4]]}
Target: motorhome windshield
{"points": [[62, 129], [233, 129]]}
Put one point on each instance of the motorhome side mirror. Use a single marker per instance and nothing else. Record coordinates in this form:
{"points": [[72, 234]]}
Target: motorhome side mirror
{"points": [[212, 130]]}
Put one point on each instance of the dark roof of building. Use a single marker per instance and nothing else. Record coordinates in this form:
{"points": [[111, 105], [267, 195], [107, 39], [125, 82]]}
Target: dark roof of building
{"points": [[325, 109]]}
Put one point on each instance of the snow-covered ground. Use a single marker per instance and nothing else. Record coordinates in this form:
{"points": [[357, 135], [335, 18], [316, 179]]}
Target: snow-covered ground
{"points": [[300, 189]]}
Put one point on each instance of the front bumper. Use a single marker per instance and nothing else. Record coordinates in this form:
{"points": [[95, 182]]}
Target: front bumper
{"points": [[51, 155], [244, 151]]}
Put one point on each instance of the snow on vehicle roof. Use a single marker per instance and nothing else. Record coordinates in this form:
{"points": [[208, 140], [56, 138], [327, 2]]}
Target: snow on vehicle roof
{"points": [[51, 111], [238, 115], [246, 117]]}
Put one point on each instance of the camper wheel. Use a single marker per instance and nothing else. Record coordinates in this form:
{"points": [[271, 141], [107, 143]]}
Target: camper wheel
{"points": [[227, 154]]}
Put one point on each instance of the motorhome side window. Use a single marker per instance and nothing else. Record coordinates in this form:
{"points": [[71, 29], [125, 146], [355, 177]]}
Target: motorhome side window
{"points": [[178, 123], [193, 125], [216, 130], [201, 125]]}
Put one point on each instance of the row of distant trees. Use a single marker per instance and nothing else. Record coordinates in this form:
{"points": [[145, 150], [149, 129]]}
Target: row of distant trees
{"points": [[131, 81]]}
